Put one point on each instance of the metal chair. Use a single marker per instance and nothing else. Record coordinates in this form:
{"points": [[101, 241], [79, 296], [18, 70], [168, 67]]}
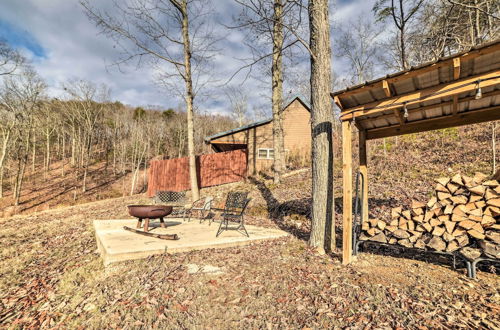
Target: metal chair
{"points": [[234, 211], [176, 199], [202, 206]]}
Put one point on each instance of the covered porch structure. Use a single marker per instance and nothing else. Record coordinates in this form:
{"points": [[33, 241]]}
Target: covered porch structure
{"points": [[452, 91]]}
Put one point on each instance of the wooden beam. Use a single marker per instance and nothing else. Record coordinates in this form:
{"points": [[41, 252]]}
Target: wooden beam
{"points": [[363, 168], [347, 192], [424, 69], [432, 93], [362, 121], [386, 88], [454, 109], [399, 116], [338, 103], [456, 68], [462, 118]]}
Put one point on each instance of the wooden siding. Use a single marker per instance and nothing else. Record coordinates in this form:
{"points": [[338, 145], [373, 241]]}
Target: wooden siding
{"points": [[213, 169], [297, 137]]}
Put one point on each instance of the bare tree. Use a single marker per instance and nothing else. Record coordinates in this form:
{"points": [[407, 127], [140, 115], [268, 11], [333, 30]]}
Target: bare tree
{"points": [[167, 33], [357, 43], [401, 12], [239, 103], [10, 59], [323, 213], [272, 27]]}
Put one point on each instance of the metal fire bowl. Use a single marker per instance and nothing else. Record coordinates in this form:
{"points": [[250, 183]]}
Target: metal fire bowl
{"points": [[149, 211]]}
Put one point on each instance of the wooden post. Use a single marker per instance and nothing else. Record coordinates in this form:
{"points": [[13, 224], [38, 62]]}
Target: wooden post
{"points": [[364, 170], [347, 192]]}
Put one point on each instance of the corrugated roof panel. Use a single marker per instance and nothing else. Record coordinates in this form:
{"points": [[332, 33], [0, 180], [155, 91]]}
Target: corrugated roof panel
{"points": [[404, 86]]}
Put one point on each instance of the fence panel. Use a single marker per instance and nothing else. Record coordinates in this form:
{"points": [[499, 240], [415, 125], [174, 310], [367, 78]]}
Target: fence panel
{"points": [[213, 169]]}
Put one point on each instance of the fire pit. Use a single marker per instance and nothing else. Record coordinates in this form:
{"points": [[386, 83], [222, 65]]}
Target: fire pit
{"points": [[148, 212]]}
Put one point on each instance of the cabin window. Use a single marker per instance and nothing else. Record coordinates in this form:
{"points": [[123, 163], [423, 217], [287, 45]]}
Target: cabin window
{"points": [[265, 153]]}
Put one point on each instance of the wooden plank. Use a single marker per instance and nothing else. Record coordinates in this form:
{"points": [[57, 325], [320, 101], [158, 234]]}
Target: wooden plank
{"points": [[347, 192], [454, 109], [386, 88], [361, 122], [338, 103], [399, 116], [363, 168], [427, 94], [416, 72], [456, 68], [463, 118]]}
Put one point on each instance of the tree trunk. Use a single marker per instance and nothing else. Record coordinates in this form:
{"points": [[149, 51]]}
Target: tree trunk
{"points": [[189, 103], [323, 212], [277, 89], [5, 144]]}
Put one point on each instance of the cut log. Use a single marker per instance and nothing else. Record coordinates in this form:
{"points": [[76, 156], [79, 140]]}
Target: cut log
{"points": [[452, 187], [478, 190], [497, 189], [438, 231], [427, 226], [405, 243], [470, 253], [450, 226], [160, 236], [431, 202], [493, 236], [479, 177], [475, 218], [420, 244], [457, 178], [474, 198], [449, 209], [487, 221], [371, 232], [490, 249], [462, 240], [458, 218], [420, 228], [402, 234], [452, 246], [461, 191], [443, 195], [440, 188], [428, 215], [394, 222], [381, 224], [493, 211], [443, 218], [435, 222], [458, 232], [467, 180], [490, 194], [459, 210], [475, 234], [443, 181], [418, 218], [380, 237], [460, 199], [494, 202], [406, 214], [437, 243], [448, 237], [391, 228], [396, 212], [365, 226], [466, 224], [477, 227], [480, 204], [476, 212], [416, 204], [491, 183], [417, 211], [373, 222], [393, 240]]}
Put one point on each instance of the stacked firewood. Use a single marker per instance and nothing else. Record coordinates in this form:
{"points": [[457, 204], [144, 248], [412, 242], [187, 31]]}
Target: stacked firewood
{"points": [[463, 214]]}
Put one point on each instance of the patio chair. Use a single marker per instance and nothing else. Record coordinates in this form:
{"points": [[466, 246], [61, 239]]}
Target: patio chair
{"points": [[176, 199], [234, 210], [202, 207]]}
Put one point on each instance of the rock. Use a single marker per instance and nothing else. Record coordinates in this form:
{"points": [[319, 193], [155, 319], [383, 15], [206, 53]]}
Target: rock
{"points": [[437, 244], [402, 234], [493, 236], [470, 253], [490, 250], [380, 237]]}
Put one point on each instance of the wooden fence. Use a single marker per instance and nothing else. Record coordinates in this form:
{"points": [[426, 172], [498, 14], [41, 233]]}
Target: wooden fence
{"points": [[212, 169]]}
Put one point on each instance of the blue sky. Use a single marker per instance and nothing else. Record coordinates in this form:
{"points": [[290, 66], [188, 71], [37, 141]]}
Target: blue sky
{"points": [[62, 45]]}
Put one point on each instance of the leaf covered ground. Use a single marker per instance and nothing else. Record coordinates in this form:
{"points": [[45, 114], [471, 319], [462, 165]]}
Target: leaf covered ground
{"points": [[50, 275]]}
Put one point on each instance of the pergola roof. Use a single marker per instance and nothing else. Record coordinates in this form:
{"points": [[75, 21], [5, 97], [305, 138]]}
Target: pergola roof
{"points": [[437, 94]]}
